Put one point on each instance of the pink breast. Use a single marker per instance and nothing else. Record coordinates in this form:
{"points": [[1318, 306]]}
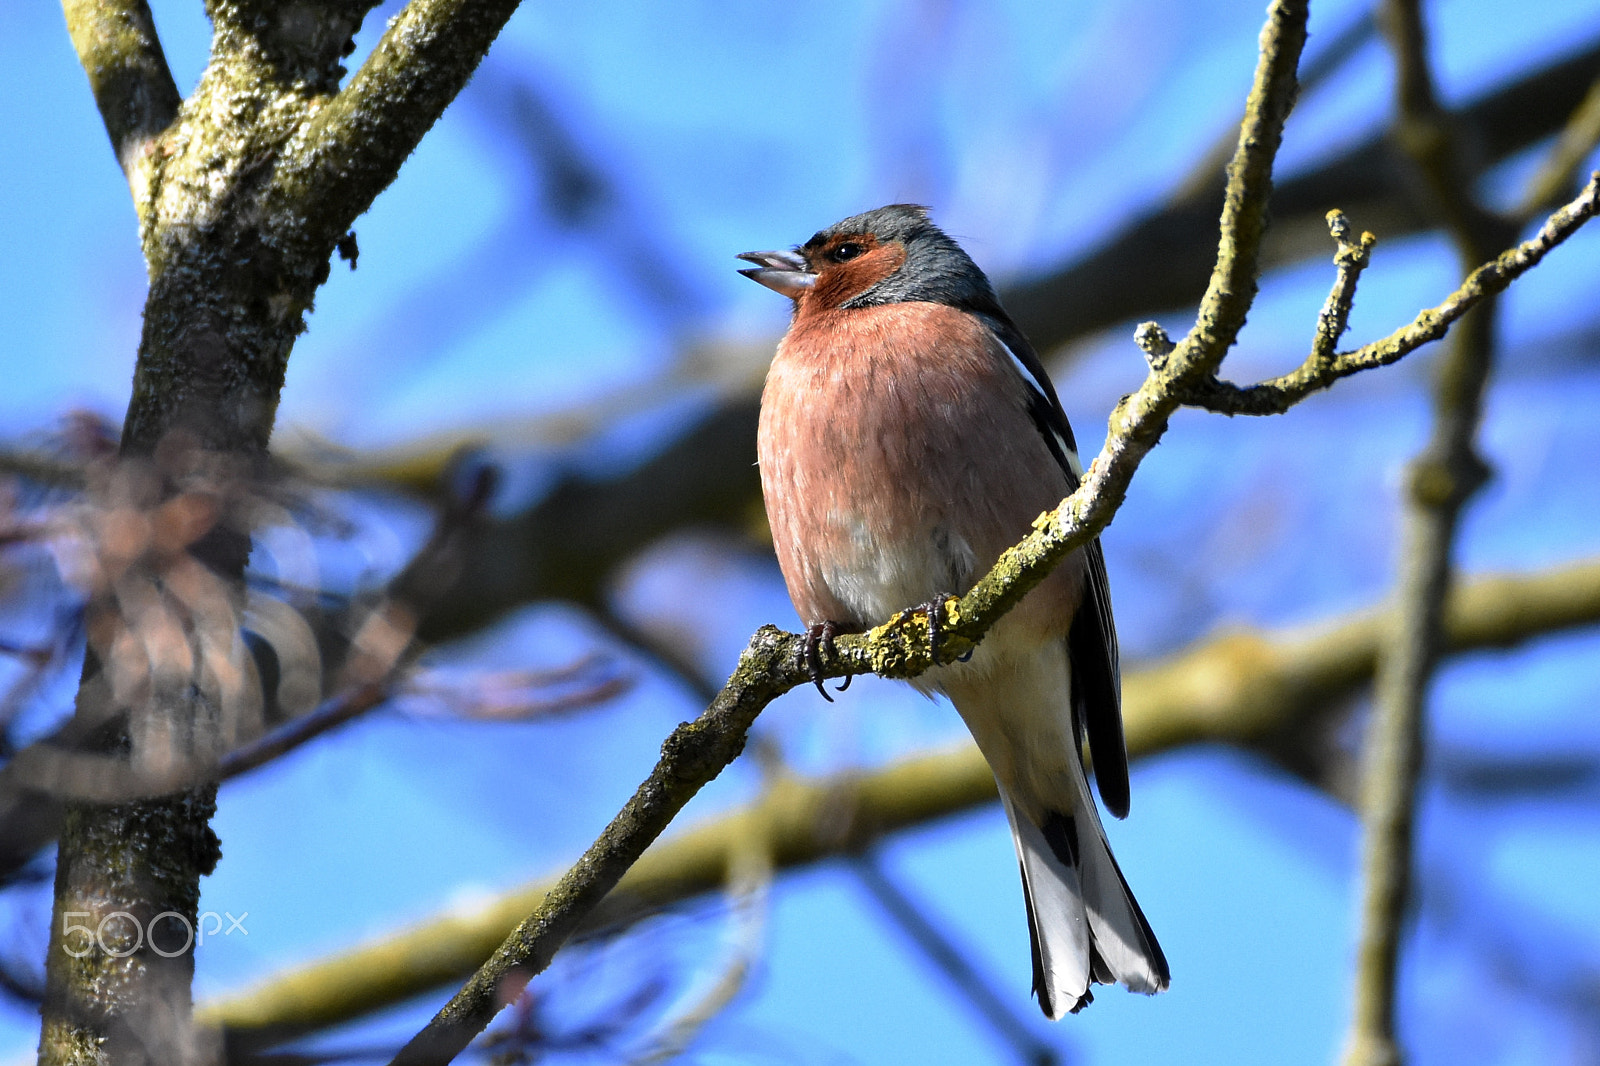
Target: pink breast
{"points": [[898, 459]]}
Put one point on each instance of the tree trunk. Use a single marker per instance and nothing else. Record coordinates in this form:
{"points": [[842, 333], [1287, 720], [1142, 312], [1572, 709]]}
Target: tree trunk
{"points": [[242, 193]]}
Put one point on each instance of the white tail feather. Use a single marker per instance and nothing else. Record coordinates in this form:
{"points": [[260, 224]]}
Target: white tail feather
{"points": [[1056, 922], [1118, 927], [1085, 924]]}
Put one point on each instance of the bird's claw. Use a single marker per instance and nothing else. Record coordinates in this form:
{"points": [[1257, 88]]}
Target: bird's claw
{"points": [[819, 638], [938, 618]]}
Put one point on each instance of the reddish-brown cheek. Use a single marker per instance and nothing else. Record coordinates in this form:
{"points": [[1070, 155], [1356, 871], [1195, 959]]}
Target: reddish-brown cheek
{"points": [[838, 284]]}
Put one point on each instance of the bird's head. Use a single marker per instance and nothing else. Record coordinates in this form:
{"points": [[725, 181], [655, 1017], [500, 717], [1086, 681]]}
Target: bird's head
{"points": [[893, 254]]}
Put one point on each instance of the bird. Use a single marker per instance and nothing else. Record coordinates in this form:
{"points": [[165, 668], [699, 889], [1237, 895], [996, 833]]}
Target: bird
{"points": [[908, 435]]}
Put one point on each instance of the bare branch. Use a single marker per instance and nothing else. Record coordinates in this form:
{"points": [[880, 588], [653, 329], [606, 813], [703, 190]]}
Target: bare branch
{"points": [[1561, 167], [1440, 481], [749, 887], [523, 695], [342, 708], [1277, 395], [945, 955], [1159, 260]]}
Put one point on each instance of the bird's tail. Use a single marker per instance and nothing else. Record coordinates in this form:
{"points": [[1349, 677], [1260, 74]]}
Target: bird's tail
{"points": [[1083, 921]]}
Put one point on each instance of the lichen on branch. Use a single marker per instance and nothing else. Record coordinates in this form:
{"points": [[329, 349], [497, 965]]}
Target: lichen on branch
{"points": [[239, 211], [1240, 687]]}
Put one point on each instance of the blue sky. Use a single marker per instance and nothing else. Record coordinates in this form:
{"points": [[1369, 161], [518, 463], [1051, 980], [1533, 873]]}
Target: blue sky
{"points": [[1033, 129]]}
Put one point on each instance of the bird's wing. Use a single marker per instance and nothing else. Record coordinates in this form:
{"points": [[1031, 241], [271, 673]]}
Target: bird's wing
{"points": [[1092, 639], [1097, 683], [1043, 404]]}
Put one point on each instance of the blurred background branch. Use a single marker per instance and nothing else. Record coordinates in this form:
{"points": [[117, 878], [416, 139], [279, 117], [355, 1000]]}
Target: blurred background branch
{"points": [[1439, 483]]}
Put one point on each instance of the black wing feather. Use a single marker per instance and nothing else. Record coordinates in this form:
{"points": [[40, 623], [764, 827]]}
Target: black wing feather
{"points": [[1097, 683], [1046, 406], [1092, 639]]}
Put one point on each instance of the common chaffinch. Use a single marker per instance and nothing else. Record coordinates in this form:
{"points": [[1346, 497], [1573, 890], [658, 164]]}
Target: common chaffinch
{"points": [[909, 435]]}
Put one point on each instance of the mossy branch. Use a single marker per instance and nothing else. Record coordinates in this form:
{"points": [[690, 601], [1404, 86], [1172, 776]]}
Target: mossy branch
{"points": [[696, 752], [117, 44], [1241, 687], [1277, 395], [256, 177], [351, 148]]}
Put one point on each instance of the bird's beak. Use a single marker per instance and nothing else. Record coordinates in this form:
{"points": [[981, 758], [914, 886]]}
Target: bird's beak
{"points": [[783, 272]]}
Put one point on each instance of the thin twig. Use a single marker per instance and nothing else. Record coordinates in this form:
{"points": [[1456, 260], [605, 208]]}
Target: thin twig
{"points": [[1554, 180], [750, 871], [523, 695], [1277, 395], [334, 712], [678, 662]]}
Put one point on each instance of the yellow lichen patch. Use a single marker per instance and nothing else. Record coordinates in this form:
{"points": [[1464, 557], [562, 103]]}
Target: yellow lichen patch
{"points": [[899, 647]]}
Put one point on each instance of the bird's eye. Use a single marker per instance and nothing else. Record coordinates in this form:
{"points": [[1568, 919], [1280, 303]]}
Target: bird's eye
{"points": [[845, 251]]}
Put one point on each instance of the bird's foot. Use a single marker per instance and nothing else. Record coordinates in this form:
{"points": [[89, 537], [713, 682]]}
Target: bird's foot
{"points": [[819, 639], [938, 618]]}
